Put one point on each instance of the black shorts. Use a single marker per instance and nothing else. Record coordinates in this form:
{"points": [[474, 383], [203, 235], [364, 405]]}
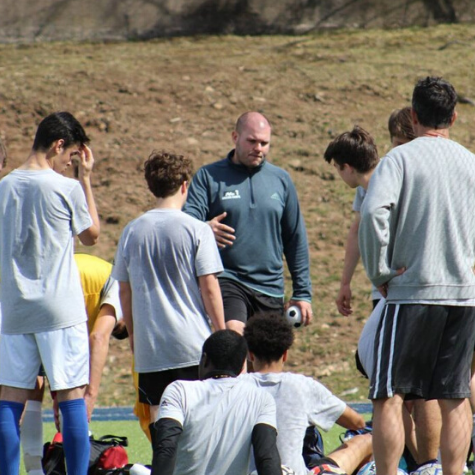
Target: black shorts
{"points": [[423, 351], [241, 302], [152, 385]]}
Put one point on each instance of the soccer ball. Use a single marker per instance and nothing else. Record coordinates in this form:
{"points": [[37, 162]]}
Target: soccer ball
{"points": [[285, 471], [326, 469], [370, 469], [431, 468], [293, 315]]}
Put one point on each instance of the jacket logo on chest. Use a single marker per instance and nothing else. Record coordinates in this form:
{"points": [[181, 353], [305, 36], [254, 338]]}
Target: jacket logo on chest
{"points": [[231, 195]]}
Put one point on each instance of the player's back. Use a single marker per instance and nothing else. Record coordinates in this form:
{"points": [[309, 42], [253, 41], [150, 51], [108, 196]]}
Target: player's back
{"points": [[218, 417]]}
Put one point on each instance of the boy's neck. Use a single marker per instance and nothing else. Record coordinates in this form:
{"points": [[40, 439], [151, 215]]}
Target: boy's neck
{"points": [[170, 202], [264, 367], [363, 179], [36, 161], [176, 201]]}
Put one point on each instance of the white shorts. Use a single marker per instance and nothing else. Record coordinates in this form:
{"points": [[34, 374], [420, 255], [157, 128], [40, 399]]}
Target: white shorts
{"points": [[367, 338], [110, 296], [64, 354]]}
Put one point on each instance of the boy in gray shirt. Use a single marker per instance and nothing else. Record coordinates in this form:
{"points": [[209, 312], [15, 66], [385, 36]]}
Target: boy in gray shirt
{"points": [[167, 264], [417, 241]]}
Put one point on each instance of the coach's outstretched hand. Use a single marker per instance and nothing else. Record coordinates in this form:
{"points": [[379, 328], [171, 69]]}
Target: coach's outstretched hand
{"points": [[223, 233]]}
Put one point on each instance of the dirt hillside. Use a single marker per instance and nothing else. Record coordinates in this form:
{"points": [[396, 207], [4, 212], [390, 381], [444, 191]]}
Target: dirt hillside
{"points": [[185, 94]]}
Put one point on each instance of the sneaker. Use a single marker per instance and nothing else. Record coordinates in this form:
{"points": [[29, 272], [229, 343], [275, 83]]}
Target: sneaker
{"points": [[350, 433]]}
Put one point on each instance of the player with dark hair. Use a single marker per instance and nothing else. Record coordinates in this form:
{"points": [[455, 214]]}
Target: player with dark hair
{"points": [[167, 264], [208, 427], [355, 157], [43, 314], [417, 242], [301, 401], [241, 192]]}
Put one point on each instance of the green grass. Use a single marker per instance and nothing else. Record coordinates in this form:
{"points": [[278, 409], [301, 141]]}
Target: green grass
{"points": [[139, 450]]}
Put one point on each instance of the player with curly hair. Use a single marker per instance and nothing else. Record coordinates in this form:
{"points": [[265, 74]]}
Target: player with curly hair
{"points": [[167, 264], [301, 401]]}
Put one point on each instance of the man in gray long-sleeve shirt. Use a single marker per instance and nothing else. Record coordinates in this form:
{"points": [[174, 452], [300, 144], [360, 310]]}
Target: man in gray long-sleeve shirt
{"points": [[253, 209], [417, 240]]}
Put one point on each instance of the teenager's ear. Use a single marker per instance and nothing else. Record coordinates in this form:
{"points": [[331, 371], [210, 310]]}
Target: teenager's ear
{"points": [[251, 356], [285, 355], [415, 120], [55, 149]]}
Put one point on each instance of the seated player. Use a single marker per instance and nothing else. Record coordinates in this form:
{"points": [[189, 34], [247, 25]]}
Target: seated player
{"points": [[208, 427], [301, 401]]}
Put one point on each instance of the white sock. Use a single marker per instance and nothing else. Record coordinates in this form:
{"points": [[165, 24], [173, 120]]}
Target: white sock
{"points": [[31, 435]]}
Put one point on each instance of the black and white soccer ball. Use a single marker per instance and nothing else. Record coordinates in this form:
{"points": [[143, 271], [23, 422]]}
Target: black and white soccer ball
{"points": [[294, 316], [370, 469], [285, 471]]}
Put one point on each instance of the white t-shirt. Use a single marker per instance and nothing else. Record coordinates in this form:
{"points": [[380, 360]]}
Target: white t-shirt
{"points": [[218, 416], [161, 254], [301, 402], [40, 213]]}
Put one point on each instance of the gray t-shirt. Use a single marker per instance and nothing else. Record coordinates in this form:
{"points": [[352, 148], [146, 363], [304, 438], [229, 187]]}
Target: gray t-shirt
{"points": [[360, 194], [301, 402], [40, 213], [218, 416], [417, 215], [161, 254]]}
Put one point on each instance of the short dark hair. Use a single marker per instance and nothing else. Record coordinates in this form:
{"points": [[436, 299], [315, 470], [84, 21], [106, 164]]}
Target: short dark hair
{"points": [[400, 124], [165, 172], [355, 148], [59, 125], [433, 101], [268, 336], [226, 350]]}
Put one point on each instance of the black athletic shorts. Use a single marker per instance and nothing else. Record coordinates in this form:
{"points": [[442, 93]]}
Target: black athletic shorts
{"points": [[152, 385], [241, 302], [423, 351]]}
